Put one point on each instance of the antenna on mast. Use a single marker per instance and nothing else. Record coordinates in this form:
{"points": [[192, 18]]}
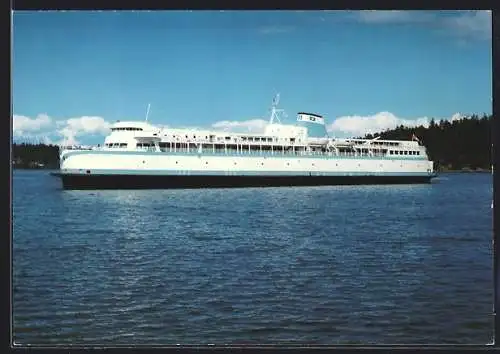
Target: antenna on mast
{"points": [[147, 112], [276, 100], [274, 111]]}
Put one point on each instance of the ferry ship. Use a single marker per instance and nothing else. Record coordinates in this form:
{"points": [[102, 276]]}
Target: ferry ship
{"points": [[137, 154]]}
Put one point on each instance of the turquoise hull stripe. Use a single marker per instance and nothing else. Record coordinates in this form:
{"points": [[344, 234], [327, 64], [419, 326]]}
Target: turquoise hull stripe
{"points": [[234, 173], [210, 154]]}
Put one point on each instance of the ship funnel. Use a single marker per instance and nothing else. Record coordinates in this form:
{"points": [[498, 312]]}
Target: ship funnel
{"points": [[314, 123]]}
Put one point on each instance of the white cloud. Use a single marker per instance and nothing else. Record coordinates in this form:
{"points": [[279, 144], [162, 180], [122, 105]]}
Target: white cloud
{"points": [[75, 127], [469, 24], [252, 125], [47, 141], [360, 125], [33, 139], [22, 125], [45, 129], [456, 116], [392, 16], [349, 126]]}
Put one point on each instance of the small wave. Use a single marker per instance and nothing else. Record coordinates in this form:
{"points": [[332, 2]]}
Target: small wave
{"points": [[454, 238]]}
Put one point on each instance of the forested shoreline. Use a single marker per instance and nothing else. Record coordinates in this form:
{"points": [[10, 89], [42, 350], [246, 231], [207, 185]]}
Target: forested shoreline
{"points": [[35, 156], [461, 145]]}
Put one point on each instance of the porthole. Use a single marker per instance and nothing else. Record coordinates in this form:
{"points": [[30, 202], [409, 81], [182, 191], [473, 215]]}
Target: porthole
{"points": [[176, 162]]}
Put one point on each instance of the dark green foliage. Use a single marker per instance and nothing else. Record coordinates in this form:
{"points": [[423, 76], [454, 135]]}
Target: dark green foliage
{"points": [[459, 145], [35, 156]]}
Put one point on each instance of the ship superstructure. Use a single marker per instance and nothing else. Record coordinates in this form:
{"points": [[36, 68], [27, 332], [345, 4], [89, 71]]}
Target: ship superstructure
{"points": [[137, 154]]}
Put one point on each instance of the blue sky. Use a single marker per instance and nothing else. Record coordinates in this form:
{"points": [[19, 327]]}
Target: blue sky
{"points": [[75, 72]]}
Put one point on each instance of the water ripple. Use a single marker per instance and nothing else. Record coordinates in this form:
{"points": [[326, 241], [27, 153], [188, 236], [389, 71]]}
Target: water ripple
{"points": [[350, 264]]}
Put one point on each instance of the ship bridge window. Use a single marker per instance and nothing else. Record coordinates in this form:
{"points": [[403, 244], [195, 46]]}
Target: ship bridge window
{"points": [[115, 145], [125, 129]]}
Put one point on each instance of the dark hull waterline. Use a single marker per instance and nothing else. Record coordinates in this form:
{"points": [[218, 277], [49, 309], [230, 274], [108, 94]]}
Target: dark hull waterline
{"points": [[88, 181]]}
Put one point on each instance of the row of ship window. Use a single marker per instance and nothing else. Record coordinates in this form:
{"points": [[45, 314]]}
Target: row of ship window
{"points": [[115, 145], [227, 138], [243, 138], [396, 152], [122, 145], [128, 129]]}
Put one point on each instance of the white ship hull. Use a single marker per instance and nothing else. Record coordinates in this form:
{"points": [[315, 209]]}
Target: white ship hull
{"points": [[135, 169]]}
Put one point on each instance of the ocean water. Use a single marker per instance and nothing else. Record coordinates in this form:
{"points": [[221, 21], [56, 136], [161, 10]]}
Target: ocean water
{"points": [[307, 265]]}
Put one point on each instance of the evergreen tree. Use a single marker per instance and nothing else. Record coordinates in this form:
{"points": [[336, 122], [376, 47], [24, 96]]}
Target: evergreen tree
{"points": [[462, 144]]}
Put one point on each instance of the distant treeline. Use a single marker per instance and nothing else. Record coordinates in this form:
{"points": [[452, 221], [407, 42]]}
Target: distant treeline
{"points": [[463, 144], [35, 156]]}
